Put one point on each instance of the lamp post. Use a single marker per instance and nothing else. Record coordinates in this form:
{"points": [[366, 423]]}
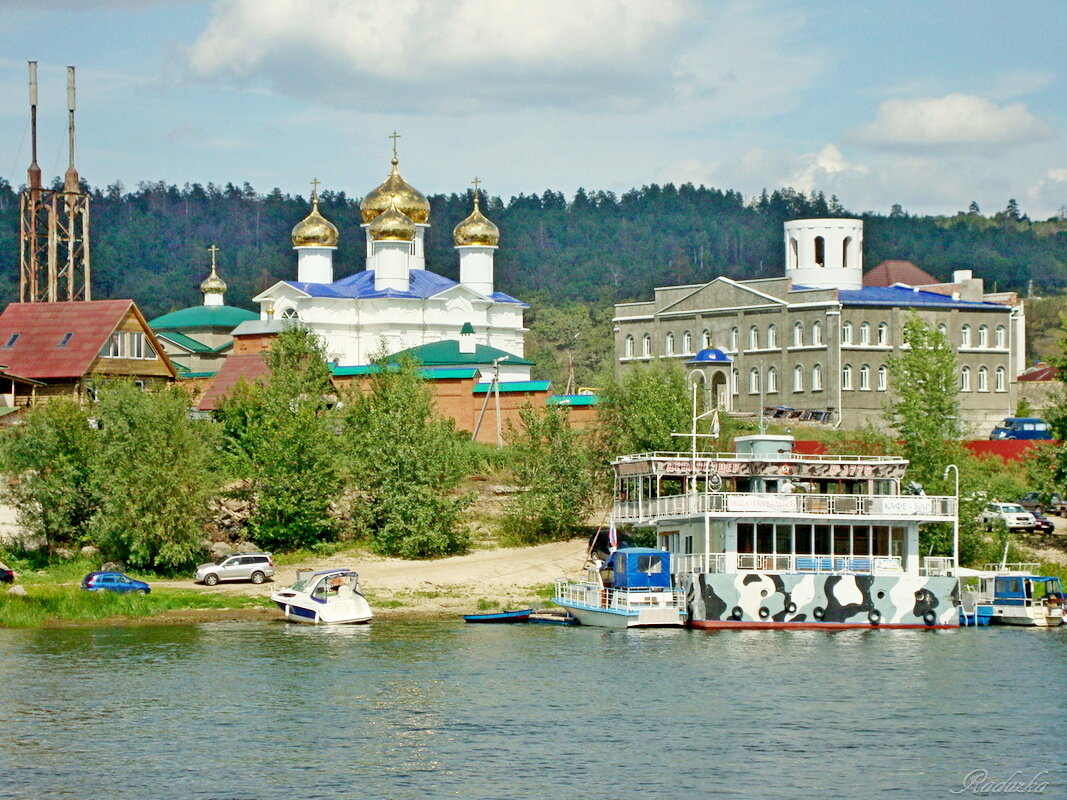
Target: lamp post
{"points": [[691, 378], [955, 520]]}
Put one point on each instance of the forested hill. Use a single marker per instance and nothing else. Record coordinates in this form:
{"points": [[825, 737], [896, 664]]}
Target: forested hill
{"points": [[151, 244]]}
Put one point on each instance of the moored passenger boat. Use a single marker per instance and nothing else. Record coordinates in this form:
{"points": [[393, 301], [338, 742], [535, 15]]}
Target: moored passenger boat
{"points": [[632, 589], [1011, 594], [765, 537]]}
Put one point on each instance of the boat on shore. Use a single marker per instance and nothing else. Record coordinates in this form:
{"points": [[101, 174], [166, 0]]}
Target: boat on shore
{"points": [[500, 617], [327, 597], [1012, 594], [767, 537], [632, 589]]}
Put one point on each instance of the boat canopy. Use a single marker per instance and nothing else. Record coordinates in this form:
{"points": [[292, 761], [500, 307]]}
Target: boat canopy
{"points": [[640, 568]]}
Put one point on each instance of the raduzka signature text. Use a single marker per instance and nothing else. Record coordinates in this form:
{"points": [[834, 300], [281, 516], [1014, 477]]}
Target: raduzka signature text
{"points": [[979, 781]]}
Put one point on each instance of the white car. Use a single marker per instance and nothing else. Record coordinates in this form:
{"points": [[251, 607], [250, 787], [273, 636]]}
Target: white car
{"points": [[1013, 515], [255, 567]]}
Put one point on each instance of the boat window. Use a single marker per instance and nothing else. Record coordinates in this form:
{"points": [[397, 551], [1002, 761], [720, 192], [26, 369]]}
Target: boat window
{"points": [[881, 540], [802, 537], [861, 540], [319, 592], [764, 538], [822, 539], [783, 535], [746, 537], [650, 564], [842, 535]]}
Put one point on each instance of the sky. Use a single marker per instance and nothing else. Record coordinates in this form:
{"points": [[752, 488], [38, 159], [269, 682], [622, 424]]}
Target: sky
{"points": [[928, 104]]}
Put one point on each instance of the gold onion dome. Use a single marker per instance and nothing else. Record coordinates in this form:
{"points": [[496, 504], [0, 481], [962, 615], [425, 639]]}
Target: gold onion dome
{"points": [[392, 225], [476, 229], [213, 284], [314, 230], [409, 200]]}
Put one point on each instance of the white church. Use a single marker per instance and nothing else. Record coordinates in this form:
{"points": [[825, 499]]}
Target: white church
{"points": [[395, 304]]}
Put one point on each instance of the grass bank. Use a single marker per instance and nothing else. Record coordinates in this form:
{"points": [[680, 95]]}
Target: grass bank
{"points": [[46, 605]]}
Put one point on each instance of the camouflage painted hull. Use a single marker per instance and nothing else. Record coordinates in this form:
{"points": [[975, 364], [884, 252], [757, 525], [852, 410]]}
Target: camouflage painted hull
{"points": [[773, 600]]}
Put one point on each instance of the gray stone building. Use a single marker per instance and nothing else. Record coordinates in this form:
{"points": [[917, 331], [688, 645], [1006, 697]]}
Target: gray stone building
{"points": [[817, 340]]}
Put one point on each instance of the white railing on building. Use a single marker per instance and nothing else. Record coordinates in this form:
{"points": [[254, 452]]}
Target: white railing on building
{"points": [[804, 564], [775, 504], [937, 565], [1022, 567], [703, 458]]}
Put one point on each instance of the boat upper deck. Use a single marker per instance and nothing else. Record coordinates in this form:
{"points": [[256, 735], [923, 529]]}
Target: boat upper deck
{"points": [[799, 465]]}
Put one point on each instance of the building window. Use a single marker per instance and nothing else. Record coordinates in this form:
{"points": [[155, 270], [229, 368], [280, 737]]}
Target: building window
{"points": [[846, 333], [883, 378], [735, 380], [127, 344], [846, 376], [883, 334], [983, 379], [1001, 337], [820, 251], [816, 378], [753, 338], [628, 348], [798, 333], [983, 336], [798, 378], [687, 342], [965, 336], [753, 381], [965, 379], [734, 339], [844, 251], [865, 333], [646, 346], [66, 339], [865, 378], [793, 253], [11, 342], [705, 339], [942, 329], [816, 332], [668, 345], [772, 336], [772, 380], [289, 313], [1001, 383]]}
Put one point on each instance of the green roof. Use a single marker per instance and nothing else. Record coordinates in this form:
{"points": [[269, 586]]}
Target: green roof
{"points": [[226, 317], [514, 386], [428, 374], [573, 400], [182, 340], [447, 353], [467, 328]]}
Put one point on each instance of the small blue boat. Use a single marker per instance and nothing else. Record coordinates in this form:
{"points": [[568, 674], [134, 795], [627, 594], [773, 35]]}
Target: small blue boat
{"points": [[500, 616]]}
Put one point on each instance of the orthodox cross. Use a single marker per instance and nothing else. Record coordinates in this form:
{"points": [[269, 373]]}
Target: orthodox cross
{"points": [[394, 136], [476, 183], [315, 188], [213, 249]]}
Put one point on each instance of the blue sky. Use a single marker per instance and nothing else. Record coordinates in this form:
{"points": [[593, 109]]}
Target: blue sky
{"points": [[926, 104]]}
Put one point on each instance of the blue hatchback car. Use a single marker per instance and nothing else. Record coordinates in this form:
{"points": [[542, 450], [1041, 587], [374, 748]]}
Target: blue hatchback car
{"points": [[113, 582]]}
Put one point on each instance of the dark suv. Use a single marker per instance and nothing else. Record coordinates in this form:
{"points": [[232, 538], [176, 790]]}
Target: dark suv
{"points": [[1053, 502], [255, 567]]}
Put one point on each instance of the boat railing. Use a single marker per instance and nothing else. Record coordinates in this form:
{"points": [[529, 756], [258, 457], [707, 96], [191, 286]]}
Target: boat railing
{"points": [[934, 566], [592, 595], [768, 562], [661, 455], [1022, 567], [776, 504]]}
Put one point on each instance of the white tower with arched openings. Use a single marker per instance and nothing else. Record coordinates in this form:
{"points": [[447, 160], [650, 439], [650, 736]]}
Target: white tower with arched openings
{"points": [[824, 253]]}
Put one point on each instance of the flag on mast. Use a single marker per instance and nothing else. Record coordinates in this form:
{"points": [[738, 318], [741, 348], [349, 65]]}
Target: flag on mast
{"points": [[613, 537]]}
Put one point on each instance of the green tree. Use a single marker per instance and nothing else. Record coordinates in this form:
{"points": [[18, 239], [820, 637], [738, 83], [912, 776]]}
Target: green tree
{"points": [[924, 408], [404, 463], [153, 477], [554, 464], [642, 408], [50, 460], [282, 436]]}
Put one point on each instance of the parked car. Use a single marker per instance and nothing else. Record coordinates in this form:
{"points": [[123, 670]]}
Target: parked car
{"points": [[1042, 524], [114, 582], [255, 567], [1044, 501], [1011, 514], [7, 575], [1022, 428]]}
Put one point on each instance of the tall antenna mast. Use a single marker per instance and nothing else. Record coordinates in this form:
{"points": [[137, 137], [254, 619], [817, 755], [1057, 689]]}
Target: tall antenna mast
{"points": [[33, 174], [70, 180]]}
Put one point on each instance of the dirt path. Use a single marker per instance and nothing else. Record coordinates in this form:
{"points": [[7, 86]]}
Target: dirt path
{"points": [[509, 577]]}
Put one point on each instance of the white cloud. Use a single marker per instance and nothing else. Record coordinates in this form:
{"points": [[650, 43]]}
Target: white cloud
{"points": [[1049, 195], [954, 122], [825, 171], [698, 59]]}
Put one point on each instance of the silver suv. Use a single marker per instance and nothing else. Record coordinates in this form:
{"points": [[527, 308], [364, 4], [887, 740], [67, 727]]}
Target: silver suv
{"points": [[255, 567]]}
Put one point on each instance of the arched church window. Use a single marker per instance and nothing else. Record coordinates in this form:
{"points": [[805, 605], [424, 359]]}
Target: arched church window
{"points": [[687, 342], [816, 332], [772, 336], [646, 346], [816, 378], [668, 345], [846, 333], [965, 379], [798, 333], [846, 377], [772, 380], [628, 348], [753, 380], [820, 251], [1001, 337], [753, 338], [705, 339], [883, 378], [798, 378], [289, 313], [1001, 380]]}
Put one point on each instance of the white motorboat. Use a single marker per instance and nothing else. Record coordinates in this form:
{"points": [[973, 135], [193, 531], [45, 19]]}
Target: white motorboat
{"points": [[330, 597], [1013, 594]]}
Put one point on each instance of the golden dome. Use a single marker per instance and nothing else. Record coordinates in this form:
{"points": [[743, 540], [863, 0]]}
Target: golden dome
{"points": [[409, 200], [213, 284], [314, 230], [476, 229], [392, 224]]}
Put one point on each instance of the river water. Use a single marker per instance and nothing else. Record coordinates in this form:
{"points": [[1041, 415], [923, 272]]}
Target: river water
{"points": [[442, 709]]}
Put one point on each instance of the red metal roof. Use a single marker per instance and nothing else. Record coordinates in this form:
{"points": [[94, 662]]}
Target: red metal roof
{"points": [[234, 369], [1040, 372], [889, 273], [42, 327]]}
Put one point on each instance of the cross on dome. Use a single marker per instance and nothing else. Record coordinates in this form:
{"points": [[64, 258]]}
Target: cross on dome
{"points": [[394, 136]]}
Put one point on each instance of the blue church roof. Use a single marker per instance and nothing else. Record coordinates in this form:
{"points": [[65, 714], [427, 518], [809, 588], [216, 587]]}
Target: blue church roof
{"points": [[423, 284], [902, 296]]}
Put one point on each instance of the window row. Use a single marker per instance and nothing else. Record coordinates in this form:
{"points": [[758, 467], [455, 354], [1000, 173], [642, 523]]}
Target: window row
{"points": [[670, 345], [127, 344], [847, 381], [770, 381], [1000, 380], [1000, 336]]}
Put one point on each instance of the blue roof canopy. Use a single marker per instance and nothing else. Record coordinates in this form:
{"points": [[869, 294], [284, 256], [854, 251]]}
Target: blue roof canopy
{"points": [[640, 568]]}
